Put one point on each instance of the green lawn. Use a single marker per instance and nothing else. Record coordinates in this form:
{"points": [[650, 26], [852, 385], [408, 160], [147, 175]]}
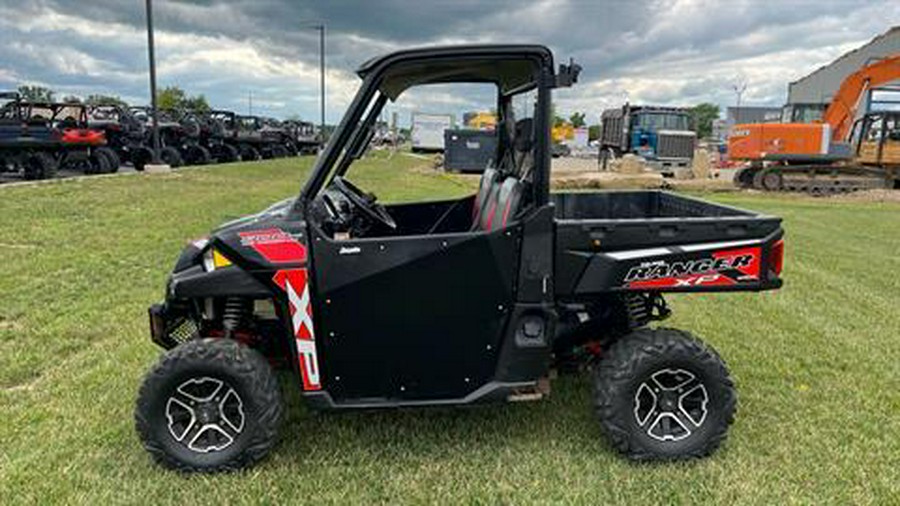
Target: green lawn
{"points": [[817, 367]]}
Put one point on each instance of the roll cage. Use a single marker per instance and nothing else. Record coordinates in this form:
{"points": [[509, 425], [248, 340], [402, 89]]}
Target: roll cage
{"points": [[513, 69]]}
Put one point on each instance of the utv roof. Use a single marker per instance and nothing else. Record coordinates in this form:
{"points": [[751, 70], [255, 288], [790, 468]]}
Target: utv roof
{"points": [[508, 65]]}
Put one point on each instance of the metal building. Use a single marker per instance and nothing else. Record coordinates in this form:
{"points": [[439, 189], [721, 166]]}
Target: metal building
{"points": [[809, 96], [751, 114]]}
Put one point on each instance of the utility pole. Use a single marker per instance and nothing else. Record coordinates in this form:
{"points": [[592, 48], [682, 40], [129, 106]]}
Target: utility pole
{"points": [[321, 28], [739, 86], [154, 118], [250, 103]]}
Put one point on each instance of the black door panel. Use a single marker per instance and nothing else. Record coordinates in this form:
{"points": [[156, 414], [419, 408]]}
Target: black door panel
{"points": [[413, 317]]}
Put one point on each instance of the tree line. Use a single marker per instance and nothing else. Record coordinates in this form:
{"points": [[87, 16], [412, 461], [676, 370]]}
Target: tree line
{"points": [[170, 97]]}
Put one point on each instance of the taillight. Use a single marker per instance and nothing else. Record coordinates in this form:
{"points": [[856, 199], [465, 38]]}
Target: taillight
{"points": [[776, 257]]}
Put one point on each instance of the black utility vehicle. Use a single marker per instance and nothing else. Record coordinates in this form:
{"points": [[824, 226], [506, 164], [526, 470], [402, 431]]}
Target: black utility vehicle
{"points": [[27, 147], [453, 302], [171, 133], [303, 134], [126, 134], [60, 132]]}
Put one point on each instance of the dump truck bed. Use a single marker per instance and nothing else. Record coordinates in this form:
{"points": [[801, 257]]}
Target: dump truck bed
{"points": [[660, 241]]}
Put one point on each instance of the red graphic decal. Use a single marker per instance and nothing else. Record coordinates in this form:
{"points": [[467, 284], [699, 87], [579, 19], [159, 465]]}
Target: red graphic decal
{"points": [[275, 245], [723, 268], [294, 283]]}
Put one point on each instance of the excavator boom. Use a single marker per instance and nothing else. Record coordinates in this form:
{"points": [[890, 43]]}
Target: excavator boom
{"points": [[844, 106]]}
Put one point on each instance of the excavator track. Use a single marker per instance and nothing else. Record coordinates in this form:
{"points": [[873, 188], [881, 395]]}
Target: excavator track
{"points": [[813, 179]]}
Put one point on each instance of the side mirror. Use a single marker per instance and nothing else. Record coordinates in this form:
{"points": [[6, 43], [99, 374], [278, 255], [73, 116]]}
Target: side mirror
{"points": [[568, 74]]}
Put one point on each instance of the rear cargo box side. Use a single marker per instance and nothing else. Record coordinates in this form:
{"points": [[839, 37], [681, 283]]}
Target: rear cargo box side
{"points": [[658, 241]]}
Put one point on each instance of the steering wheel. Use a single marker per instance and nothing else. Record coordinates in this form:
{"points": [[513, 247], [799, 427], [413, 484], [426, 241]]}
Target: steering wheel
{"points": [[365, 202]]}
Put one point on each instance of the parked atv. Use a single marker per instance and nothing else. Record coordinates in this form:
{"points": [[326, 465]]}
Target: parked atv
{"points": [[213, 136], [125, 133], [193, 133], [279, 137], [79, 147], [263, 135], [27, 148], [470, 300], [304, 136], [171, 133], [247, 148]]}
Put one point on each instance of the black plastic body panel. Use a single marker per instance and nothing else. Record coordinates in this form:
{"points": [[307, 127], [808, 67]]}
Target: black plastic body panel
{"points": [[413, 318], [591, 226], [194, 282]]}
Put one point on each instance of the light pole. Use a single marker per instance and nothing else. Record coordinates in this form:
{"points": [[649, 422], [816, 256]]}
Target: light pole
{"points": [[739, 87], [154, 118], [321, 28]]}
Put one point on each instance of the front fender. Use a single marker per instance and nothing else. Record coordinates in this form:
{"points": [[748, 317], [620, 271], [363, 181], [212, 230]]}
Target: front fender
{"points": [[194, 282]]}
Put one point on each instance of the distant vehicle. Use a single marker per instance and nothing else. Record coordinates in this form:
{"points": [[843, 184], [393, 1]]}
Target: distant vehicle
{"points": [[38, 138], [126, 134], [171, 133], [428, 131], [481, 120], [304, 135], [856, 145], [661, 135]]}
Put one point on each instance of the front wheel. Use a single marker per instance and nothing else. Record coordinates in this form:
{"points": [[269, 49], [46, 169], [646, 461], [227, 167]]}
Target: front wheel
{"points": [[209, 405], [664, 395]]}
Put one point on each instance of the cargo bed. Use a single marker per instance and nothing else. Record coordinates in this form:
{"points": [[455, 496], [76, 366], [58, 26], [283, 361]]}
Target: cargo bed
{"points": [[660, 241]]}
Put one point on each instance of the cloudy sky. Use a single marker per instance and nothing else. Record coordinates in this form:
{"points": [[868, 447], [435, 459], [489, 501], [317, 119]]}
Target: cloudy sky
{"points": [[674, 52]]}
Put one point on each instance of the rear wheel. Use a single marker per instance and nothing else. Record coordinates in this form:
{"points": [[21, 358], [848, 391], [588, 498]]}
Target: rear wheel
{"points": [[663, 395], [171, 157], [39, 166], [227, 153], [280, 151], [249, 153], [198, 155], [140, 157], [97, 163], [209, 405], [112, 158]]}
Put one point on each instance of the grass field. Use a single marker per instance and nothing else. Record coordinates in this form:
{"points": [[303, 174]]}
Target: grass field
{"points": [[817, 366]]}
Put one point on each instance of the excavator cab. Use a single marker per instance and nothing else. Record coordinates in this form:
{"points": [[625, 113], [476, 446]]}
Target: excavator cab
{"points": [[877, 139]]}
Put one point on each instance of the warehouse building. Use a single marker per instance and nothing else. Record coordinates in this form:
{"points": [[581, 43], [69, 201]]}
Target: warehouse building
{"points": [[809, 96], [751, 114]]}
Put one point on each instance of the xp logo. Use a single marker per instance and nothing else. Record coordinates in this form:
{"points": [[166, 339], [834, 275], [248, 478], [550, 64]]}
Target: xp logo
{"points": [[295, 284]]}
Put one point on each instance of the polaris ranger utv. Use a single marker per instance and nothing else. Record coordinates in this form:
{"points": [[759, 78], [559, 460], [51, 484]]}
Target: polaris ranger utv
{"points": [[454, 302]]}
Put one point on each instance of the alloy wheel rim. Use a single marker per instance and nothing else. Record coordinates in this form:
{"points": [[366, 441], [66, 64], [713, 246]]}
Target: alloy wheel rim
{"points": [[671, 404], [205, 414]]}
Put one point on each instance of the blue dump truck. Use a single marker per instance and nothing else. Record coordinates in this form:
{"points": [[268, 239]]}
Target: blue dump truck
{"points": [[661, 135]]}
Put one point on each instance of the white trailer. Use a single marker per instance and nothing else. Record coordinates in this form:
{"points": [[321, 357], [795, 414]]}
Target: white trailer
{"points": [[428, 131]]}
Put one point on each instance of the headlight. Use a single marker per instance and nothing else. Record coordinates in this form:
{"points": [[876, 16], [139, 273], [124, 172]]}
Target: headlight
{"points": [[213, 259]]}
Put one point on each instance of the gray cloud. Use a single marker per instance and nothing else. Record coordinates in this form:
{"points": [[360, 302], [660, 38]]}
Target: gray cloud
{"points": [[667, 51]]}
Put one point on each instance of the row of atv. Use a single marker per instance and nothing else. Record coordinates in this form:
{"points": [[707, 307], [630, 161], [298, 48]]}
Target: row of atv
{"points": [[39, 138]]}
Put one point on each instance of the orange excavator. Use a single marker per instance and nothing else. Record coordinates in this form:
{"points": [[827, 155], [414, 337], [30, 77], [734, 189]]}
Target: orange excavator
{"points": [[853, 147]]}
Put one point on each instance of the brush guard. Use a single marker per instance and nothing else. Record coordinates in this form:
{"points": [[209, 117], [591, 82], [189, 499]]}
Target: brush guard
{"points": [[170, 328]]}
